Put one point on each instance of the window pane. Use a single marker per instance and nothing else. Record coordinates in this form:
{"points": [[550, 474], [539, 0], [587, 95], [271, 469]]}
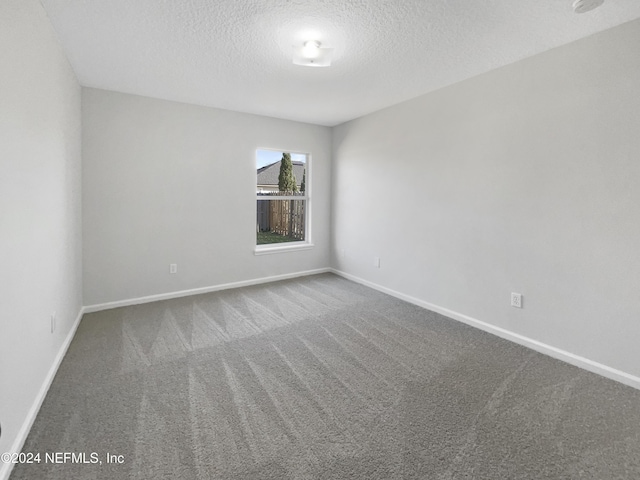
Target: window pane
{"points": [[281, 187], [269, 168], [281, 221]]}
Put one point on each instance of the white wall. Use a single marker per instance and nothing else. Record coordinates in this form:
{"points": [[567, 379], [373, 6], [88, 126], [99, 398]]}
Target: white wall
{"points": [[524, 179], [166, 182], [40, 232]]}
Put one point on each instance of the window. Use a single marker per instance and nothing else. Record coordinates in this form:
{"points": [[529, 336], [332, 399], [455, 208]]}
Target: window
{"points": [[282, 195]]}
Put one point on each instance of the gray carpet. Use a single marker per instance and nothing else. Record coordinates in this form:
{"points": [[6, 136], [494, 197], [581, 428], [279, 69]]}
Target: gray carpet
{"points": [[321, 378]]}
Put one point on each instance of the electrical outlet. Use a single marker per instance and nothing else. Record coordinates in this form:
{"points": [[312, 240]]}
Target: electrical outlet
{"points": [[173, 268], [516, 300], [53, 322], [376, 262]]}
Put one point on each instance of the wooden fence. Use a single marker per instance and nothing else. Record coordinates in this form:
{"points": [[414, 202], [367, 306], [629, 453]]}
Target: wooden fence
{"points": [[284, 217]]}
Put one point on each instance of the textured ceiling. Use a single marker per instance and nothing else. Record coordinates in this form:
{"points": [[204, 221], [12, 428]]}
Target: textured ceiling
{"points": [[237, 54]]}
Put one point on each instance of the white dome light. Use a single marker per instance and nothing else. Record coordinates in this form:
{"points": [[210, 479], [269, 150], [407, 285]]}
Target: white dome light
{"points": [[311, 54], [583, 6], [311, 49]]}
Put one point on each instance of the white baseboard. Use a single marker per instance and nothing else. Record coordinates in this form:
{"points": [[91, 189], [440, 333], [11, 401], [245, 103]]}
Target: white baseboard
{"points": [[197, 291], [585, 363], [568, 357], [7, 468]]}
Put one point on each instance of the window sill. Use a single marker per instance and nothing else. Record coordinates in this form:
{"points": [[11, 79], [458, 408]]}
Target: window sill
{"points": [[268, 249]]}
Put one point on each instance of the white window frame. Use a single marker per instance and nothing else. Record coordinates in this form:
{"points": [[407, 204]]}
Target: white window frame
{"points": [[271, 248]]}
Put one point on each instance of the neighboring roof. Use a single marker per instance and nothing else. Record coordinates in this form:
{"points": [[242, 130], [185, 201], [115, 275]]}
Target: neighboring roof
{"points": [[268, 175]]}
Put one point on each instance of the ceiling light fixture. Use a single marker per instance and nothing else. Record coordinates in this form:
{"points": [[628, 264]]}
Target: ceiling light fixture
{"points": [[311, 54], [583, 6], [311, 49]]}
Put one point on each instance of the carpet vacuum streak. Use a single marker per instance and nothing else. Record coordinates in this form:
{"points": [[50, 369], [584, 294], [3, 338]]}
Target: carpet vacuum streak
{"points": [[322, 378]]}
